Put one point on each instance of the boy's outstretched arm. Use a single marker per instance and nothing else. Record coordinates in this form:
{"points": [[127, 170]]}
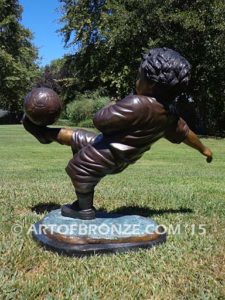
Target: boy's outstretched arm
{"points": [[193, 141]]}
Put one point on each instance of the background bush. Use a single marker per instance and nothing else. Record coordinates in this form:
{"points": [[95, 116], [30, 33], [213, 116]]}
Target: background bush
{"points": [[82, 109]]}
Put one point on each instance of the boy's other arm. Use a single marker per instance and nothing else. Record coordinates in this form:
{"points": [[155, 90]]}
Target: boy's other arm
{"points": [[193, 141], [179, 132]]}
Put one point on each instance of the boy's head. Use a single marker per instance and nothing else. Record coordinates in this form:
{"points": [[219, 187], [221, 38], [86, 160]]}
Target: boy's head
{"points": [[163, 74]]}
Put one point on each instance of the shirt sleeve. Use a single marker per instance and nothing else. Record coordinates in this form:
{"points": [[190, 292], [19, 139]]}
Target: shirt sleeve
{"points": [[177, 131], [124, 115]]}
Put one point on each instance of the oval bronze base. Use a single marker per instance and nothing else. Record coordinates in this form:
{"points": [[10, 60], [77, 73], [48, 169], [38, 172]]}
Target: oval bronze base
{"points": [[112, 234]]}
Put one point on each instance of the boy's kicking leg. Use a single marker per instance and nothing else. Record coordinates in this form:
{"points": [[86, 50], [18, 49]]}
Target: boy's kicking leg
{"points": [[77, 139]]}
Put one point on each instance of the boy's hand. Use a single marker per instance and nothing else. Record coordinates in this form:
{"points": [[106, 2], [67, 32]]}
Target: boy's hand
{"points": [[37, 131], [193, 141], [208, 153]]}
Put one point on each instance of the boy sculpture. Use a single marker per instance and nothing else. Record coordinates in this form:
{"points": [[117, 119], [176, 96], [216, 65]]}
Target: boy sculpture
{"points": [[127, 128]]}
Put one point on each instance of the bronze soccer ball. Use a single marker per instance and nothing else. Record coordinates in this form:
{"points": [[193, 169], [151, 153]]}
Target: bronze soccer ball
{"points": [[42, 106]]}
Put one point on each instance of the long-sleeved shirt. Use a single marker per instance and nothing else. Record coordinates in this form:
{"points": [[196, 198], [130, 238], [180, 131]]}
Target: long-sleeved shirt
{"points": [[134, 123]]}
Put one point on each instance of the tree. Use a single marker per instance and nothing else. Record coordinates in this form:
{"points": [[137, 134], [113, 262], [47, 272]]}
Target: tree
{"points": [[197, 29], [60, 76], [110, 36], [50, 76], [17, 57]]}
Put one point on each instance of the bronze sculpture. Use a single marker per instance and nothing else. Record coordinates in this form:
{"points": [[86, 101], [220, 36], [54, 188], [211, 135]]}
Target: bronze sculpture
{"points": [[128, 128]]}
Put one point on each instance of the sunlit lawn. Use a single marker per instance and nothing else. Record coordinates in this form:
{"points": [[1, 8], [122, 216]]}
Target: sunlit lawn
{"points": [[171, 183]]}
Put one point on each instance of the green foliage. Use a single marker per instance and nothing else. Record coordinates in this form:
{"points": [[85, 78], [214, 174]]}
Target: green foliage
{"points": [[88, 123], [111, 35], [17, 57], [81, 110]]}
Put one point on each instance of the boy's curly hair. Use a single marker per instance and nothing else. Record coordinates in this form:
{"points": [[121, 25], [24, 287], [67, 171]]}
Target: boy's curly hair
{"points": [[167, 68]]}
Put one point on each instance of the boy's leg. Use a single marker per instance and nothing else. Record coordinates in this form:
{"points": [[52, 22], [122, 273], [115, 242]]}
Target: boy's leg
{"points": [[45, 135], [83, 207], [77, 139], [60, 135], [86, 169], [81, 138]]}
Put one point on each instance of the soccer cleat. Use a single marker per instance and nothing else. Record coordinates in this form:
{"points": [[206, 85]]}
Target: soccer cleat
{"points": [[73, 211]]}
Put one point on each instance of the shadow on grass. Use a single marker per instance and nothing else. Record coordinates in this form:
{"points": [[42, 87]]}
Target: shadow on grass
{"points": [[146, 211], [42, 208]]}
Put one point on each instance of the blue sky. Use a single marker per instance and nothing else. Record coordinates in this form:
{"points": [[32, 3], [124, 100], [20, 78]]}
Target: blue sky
{"points": [[41, 17]]}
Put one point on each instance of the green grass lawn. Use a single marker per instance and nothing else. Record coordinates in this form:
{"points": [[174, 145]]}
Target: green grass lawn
{"points": [[171, 184]]}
